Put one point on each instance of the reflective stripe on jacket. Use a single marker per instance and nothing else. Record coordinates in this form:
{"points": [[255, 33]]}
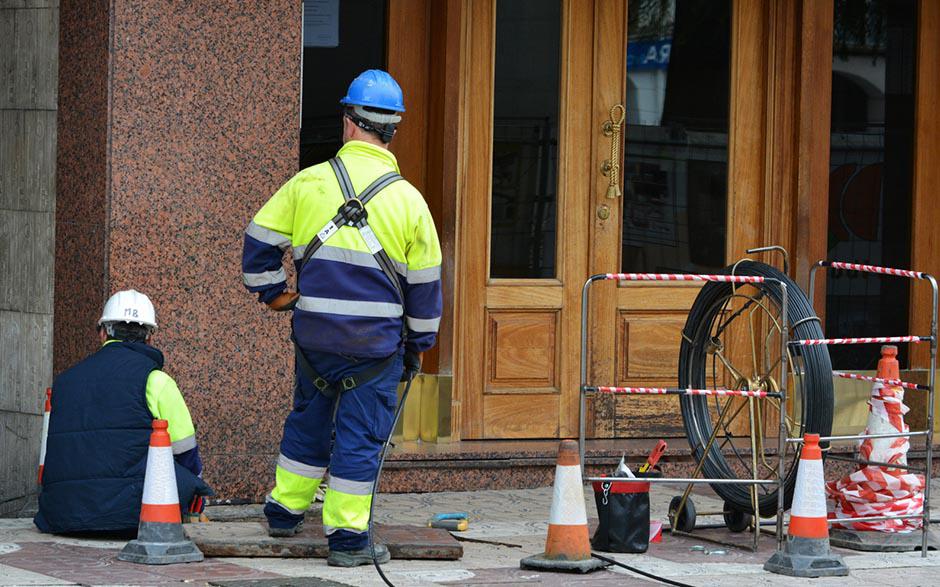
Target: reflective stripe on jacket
{"points": [[347, 304]]}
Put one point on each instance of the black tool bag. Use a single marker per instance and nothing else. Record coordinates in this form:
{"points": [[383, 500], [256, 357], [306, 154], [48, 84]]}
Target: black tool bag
{"points": [[623, 511]]}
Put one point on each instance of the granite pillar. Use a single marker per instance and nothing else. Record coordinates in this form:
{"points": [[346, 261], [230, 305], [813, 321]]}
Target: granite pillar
{"points": [[177, 122]]}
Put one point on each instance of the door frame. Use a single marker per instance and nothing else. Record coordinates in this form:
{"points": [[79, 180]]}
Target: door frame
{"points": [[777, 153]]}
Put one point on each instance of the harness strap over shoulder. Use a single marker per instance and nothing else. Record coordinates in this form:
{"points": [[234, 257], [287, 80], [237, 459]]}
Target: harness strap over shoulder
{"points": [[352, 213]]}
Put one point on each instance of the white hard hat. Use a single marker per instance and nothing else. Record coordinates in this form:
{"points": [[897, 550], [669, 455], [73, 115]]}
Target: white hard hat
{"points": [[129, 306]]}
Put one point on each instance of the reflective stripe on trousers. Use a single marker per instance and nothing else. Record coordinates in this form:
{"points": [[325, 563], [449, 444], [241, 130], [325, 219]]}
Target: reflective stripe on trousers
{"points": [[363, 421]]}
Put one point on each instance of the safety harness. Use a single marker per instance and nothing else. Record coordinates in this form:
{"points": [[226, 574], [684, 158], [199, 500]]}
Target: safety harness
{"points": [[352, 213]]}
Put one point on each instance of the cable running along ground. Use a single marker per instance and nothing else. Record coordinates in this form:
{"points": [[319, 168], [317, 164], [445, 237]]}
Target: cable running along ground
{"points": [[378, 474], [639, 572]]}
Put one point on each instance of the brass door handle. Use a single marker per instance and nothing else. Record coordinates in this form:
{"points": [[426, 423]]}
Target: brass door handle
{"points": [[611, 167]]}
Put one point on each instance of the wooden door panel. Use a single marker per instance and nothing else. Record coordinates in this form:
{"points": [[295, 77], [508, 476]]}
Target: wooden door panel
{"points": [[521, 347], [648, 346], [521, 416], [624, 417]]}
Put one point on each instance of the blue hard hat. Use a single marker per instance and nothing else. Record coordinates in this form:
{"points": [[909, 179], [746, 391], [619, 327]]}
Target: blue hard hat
{"points": [[377, 89]]}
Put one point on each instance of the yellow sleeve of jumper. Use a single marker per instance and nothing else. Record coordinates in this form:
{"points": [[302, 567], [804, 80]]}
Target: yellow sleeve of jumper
{"points": [[424, 251], [277, 214], [166, 403]]}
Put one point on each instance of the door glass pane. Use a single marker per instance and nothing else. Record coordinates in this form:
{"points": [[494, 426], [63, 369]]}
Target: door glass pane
{"points": [[342, 39], [870, 172], [525, 138], [676, 157]]}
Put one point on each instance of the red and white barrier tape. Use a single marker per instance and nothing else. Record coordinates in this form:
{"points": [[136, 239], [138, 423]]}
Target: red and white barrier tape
{"points": [[674, 391], [874, 339], [684, 277], [876, 269], [897, 382]]}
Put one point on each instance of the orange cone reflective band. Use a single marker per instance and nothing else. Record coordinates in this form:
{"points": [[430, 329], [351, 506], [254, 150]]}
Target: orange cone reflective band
{"points": [[568, 546], [808, 515], [160, 502], [45, 433]]}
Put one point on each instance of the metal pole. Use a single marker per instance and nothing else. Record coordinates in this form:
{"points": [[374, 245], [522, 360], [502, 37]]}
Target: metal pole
{"points": [[812, 282], [863, 436], [682, 480], [930, 410], [583, 402], [782, 433]]}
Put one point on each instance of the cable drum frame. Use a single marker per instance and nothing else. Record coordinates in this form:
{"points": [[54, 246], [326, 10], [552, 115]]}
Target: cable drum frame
{"points": [[929, 388], [781, 394]]}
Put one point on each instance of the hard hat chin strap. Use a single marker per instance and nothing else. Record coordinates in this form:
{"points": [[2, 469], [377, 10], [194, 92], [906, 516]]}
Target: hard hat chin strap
{"points": [[376, 117], [370, 121], [109, 328]]}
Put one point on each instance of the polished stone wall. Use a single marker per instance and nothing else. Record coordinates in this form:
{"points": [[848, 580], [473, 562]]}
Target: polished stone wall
{"points": [[178, 121], [28, 54]]}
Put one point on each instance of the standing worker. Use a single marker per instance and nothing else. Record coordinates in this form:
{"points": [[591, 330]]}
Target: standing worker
{"points": [[100, 424], [368, 305]]}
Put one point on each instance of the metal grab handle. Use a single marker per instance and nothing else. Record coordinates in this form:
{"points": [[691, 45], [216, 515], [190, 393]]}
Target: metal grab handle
{"points": [[611, 167]]}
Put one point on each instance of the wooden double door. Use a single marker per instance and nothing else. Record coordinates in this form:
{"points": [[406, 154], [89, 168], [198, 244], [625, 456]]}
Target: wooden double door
{"points": [[646, 193]]}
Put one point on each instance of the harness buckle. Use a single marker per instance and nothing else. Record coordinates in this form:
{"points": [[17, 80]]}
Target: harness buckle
{"points": [[321, 383], [349, 383], [353, 211]]}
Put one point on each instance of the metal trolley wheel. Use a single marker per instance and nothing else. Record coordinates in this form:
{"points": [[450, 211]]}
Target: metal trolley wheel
{"points": [[732, 340]]}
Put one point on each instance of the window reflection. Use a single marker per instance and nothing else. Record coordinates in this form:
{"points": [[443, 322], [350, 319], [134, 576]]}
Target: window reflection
{"points": [[525, 138], [676, 156], [870, 178]]}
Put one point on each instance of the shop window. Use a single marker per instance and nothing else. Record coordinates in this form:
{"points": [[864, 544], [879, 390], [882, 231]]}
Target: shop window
{"points": [[342, 38], [525, 138], [675, 168], [871, 171]]}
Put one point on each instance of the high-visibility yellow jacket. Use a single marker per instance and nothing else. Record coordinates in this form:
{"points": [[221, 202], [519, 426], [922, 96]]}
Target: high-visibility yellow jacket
{"points": [[347, 304]]}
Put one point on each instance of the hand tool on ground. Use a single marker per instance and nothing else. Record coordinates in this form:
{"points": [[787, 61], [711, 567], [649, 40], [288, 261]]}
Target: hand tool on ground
{"points": [[450, 516], [453, 525]]}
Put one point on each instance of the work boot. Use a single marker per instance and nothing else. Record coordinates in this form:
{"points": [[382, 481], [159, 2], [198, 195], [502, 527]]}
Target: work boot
{"points": [[354, 558], [285, 532]]}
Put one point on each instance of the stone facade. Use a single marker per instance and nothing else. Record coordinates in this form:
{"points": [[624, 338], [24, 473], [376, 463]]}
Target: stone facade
{"points": [[28, 97]]}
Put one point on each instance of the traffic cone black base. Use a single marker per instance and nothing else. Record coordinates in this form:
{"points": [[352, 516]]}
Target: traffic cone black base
{"points": [[873, 541], [807, 557], [166, 545], [540, 562]]}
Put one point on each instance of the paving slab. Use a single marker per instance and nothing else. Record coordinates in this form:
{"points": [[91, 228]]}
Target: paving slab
{"points": [[250, 539], [281, 582], [97, 566], [484, 577]]}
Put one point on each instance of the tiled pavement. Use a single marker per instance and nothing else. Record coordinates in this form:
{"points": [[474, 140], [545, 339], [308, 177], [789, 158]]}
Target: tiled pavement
{"points": [[515, 518]]}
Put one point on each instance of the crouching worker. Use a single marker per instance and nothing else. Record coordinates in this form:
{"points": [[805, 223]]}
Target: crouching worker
{"points": [[100, 425]]}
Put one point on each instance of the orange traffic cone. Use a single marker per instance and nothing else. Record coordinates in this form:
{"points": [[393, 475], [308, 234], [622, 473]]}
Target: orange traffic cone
{"points": [[567, 547], [160, 539], [807, 552], [45, 433]]}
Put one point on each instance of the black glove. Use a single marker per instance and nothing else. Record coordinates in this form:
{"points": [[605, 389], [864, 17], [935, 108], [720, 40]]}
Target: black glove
{"points": [[412, 365]]}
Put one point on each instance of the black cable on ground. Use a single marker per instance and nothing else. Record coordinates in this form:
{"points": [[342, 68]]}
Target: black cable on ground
{"points": [[378, 474], [639, 572]]}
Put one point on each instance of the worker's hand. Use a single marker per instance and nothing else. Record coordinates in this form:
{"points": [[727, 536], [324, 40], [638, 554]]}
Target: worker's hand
{"points": [[286, 300], [412, 365]]}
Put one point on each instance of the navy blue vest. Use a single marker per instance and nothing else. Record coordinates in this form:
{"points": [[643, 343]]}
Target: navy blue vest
{"points": [[99, 432]]}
